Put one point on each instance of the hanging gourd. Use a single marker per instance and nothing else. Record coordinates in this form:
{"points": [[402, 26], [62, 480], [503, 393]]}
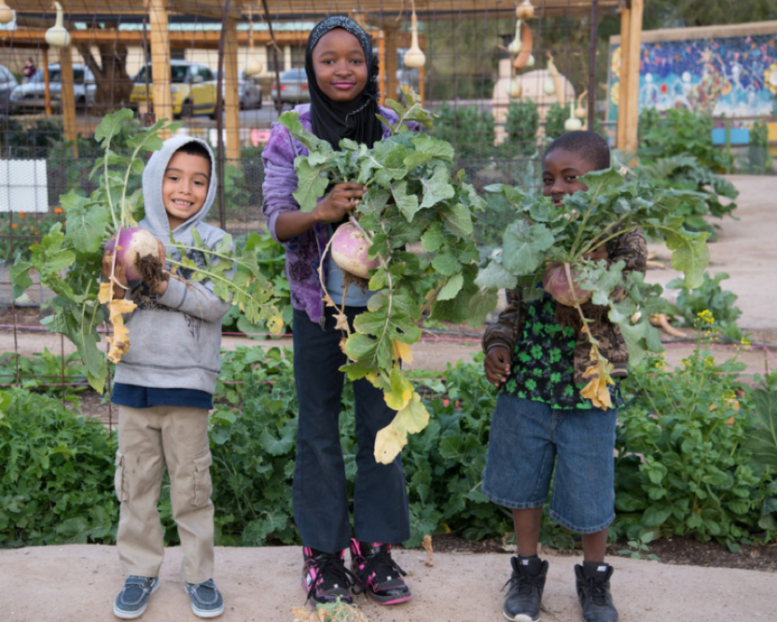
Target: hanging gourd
{"points": [[572, 124], [57, 35], [580, 112], [530, 61], [6, 14], [527, 41], [525, 10], [516, 45], [514, 88], [414, 57], [553, 84], [253, 64]]}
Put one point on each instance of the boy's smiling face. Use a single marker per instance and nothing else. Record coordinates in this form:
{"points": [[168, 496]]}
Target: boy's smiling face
{"points": [[561, 170], [185, 187]]}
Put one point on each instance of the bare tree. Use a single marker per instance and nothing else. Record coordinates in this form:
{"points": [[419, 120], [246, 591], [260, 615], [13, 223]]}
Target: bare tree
{"points": [[113, 84]]}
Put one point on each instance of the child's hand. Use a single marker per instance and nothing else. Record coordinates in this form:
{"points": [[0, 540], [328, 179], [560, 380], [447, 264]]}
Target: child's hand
{"points": [[159, 286], [497, 365], [342, 199], [119, 274]]}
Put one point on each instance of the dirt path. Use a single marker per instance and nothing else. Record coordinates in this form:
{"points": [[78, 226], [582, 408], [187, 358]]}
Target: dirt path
{"points": [[78, 584]]}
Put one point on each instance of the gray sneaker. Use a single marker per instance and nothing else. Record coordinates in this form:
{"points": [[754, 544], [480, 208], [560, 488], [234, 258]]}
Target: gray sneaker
{"points": [[206, 599], [133, 598]]}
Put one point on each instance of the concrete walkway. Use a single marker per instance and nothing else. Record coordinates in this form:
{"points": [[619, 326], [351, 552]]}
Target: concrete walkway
{"points": [[78, 583]]}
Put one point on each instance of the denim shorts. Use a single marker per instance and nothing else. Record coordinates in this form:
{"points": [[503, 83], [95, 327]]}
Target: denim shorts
{"points": [[527, 438]]}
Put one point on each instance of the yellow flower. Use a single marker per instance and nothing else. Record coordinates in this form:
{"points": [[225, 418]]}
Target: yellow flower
{"points": [[745, 343], [706, 317]]}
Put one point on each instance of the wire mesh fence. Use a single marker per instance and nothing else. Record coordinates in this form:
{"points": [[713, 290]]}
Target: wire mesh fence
{"points": [[243, 60]]}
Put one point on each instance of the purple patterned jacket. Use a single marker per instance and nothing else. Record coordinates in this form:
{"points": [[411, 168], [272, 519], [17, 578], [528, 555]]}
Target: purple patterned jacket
{"points": [[303, 253]]}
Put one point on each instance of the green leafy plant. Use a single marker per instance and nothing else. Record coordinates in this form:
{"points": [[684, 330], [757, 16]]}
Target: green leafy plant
{"points": [[758, 160], [707, 296], [545, 236], [69, 262], [684, 172], [639, 549], [271, 258], [523, 121], [554, 122], [56, 484], [682, 467], [45, 372], [411, 200], [471, 131]]}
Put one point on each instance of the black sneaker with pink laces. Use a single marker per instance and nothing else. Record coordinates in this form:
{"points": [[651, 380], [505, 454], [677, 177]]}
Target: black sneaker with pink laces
{"points": [[377, 573]]}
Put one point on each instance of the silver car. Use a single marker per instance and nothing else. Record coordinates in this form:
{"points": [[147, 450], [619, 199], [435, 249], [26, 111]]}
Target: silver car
{"points": [[249, 92], [31, 96], [294, 87]]}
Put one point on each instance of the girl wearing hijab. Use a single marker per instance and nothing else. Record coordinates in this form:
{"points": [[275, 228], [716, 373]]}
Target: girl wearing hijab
{"points": [[342, 76]]}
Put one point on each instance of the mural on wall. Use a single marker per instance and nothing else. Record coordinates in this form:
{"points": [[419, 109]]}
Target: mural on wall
{"points": [[731, 76]]}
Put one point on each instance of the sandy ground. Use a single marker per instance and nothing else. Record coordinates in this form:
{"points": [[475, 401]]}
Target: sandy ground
{"points": [[78, 583]]}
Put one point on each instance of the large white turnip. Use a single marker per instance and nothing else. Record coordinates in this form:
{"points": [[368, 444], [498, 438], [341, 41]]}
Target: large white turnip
{"points": [[349, 251], [556, 283], [139, 251]]}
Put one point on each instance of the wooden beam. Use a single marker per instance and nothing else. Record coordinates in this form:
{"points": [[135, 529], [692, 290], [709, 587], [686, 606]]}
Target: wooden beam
{"points": [[231, 100], [179, 39], [46, 82], [632, 110], [391, 40], [160, 61], [623, 79], [68, 100]]}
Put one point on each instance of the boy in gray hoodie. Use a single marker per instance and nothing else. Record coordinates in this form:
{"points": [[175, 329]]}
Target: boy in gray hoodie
{"points": [[164, 388]]}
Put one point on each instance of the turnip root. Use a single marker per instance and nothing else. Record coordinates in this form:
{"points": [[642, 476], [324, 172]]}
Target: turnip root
{"points": [[349, 251], [140, 252], [556, 283]]}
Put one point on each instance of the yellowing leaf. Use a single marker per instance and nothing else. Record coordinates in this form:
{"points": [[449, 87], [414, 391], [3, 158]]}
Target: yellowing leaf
{"points": [[413, 417], [402, 352], [391, 439], [104, 295], [119, 341], [389, 442], [401, 390], [341, 322], [275, 324], [117, 307]]}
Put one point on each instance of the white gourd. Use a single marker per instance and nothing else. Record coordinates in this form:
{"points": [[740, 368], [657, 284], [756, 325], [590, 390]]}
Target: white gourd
{"points": [[57, 35], [414, 57]]}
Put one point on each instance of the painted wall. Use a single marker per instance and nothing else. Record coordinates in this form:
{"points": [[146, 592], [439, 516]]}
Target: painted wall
{"points": [[732, 75]]}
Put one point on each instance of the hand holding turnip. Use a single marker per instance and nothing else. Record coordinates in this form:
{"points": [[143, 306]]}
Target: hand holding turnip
{"points": [[342, 199], [142, 255]]}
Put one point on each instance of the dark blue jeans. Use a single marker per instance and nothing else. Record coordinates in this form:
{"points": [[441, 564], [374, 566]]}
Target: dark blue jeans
{"points": [[320, 496]]}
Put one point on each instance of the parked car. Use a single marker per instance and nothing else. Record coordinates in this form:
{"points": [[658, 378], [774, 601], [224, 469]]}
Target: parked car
{"points": [[249, 92], [31, 96], [193, 88], [294, 87], [7, 84]]}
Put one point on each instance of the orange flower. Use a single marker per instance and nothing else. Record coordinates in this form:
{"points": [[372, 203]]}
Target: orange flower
{"points": [[21, 214], [36, 233], [14, 225], [58, 210]]}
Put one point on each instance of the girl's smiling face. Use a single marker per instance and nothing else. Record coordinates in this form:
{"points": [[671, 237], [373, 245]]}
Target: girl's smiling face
{"points": [[340, 66], [185, 187], [561, 170]]}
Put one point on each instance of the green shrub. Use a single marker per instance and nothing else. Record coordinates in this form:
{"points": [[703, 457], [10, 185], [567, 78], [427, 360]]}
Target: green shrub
{"points": [[682, 468], [56, 484], [472, 132], [554, 122], [523, 121], [708, 296]]}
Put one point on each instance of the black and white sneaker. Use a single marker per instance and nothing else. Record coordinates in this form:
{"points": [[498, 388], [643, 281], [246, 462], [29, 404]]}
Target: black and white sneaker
{"points": [[524, 596], [325, 577], [593, 590]]}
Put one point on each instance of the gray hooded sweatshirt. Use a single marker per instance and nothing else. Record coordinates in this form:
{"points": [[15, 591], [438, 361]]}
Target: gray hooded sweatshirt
{"points": [[175, 339]]}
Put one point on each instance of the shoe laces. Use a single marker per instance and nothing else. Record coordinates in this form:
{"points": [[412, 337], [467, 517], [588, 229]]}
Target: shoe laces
{"points": [[331, 571], [525, 584], [382, 565], [597, 590]]}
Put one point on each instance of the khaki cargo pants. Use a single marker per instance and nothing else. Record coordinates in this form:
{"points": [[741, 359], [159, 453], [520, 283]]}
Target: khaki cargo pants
{"points": [[149, 439]]}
